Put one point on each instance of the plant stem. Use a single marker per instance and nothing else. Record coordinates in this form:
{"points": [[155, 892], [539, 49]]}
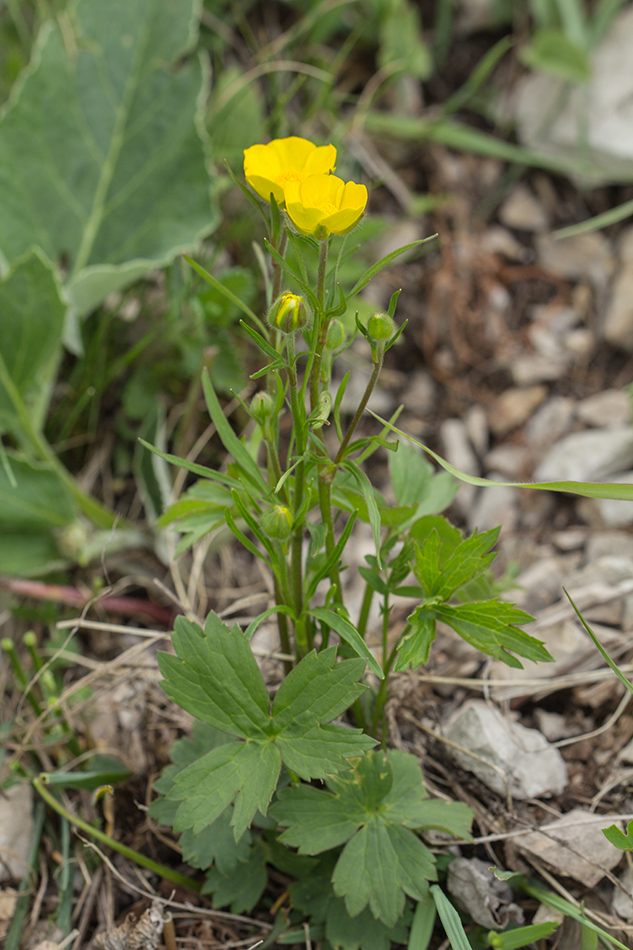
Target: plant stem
{"points": [[381, 697], [373, 379], [160, 869]]}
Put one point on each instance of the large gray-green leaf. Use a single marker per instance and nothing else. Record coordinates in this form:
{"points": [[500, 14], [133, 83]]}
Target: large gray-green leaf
{"points": [[31, 326], [33, 498], [101, 158]]}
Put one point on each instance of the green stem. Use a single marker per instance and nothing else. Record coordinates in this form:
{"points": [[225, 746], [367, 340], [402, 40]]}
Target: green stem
{"points": [[381, 696], [365, 607], [284, 636], [277, 271], [160, 869], [373, 379], [321, 330]]}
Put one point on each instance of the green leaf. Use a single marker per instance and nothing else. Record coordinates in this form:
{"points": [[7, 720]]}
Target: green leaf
{"points": [[230, 441], [467, 561], [618, 838], [215, 677], [490, 625], [522, 936], [414, 647], [372, 808], [32, 327], [423, 924], [450, 920], [551, 51], [616, 669], [348, 632], [38, 499], [240, 771], [101, 160], [242, 887], [586, 489], [216, 844], [362, 932], [367, 491], [378, 865]]}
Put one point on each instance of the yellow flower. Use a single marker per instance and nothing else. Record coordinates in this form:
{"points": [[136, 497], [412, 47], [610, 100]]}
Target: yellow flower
{"points": [[268, 168], [324, 204]]}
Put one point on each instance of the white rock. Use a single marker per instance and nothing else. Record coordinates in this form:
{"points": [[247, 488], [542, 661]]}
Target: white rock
{"points": [[588, 456], [16, 830], [476, 424], [459, 452], [493, 507], [577, 258], [522, 210], [534, 368], [515, 758], [575, 846], [550, 421], [622, 902], [513, 461], [594, 118], [513, 407], [618, 317], [606, 409]]}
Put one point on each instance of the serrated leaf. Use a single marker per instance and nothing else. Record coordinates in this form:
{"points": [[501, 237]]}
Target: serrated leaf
{"points": [[467, 561], [413, 649], [378, 865], [489, 625], [618, 838], [216, 845], [215, 677], [241, 888], [241, 771], [101, 160], [362, 932]]}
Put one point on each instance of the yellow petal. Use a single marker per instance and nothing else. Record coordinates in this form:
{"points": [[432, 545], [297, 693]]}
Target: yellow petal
{"points": [[293, 152], [321, 161]]}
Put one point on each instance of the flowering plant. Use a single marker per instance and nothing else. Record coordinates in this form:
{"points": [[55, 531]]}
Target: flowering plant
{"points": [[296, 512]]}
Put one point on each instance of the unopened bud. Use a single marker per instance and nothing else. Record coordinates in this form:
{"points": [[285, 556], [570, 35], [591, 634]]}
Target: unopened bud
{"points": [[380, 327], [277, 522], [288, 313], [335, 335], [262, 406]]}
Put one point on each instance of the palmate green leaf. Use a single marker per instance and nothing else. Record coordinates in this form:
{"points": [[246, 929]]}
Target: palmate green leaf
{"points": [[371, 810], [216, 845], [362, 932], [32, 327], [468, 560], [378, 865], [242, 886], [214, 676], [101, 159], [490, 626]]}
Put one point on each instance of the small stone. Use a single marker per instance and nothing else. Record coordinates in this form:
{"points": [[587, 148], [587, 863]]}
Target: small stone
{"points": [[563, 845], [606, 409], [515, 759], [476, 424], [458, 451], [498, 240], [419, 395], [570, 539], [16, 829], [622, 902], [588, 456], [513, 407], [618, 318], [522, 210], [551, 420], [513, 461], [609, 544], [533, 368], [577, 258], [493, 507]]}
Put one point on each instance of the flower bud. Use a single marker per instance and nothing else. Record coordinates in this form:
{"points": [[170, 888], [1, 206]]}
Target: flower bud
{"points": [[277, 522], [380, 327], [335, 335], [288, 313], [262, 407]]}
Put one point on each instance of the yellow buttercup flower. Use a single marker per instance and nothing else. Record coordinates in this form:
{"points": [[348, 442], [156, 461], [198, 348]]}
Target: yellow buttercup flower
{"points": [[268, 168], [324, 204]]}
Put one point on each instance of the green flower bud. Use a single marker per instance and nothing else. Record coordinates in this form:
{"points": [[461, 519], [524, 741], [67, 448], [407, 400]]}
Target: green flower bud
{"points": [[262, 407], [288, 313], [380, 327], [277, 522], [335, 335]]}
